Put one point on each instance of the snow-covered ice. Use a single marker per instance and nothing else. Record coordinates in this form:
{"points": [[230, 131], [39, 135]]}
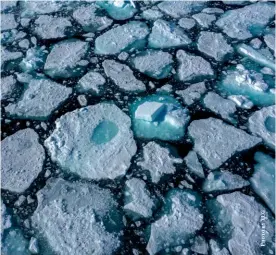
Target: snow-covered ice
{"points": [[200, 245], [193, 164], [204, 20], [149, 111], [186, 23], [8, 85]]}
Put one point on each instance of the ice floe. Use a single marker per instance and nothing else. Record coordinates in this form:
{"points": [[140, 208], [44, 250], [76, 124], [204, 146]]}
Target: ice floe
{"points": [[187, 23], [8, 85], [193, 164], [8, 22], [204, 20]]}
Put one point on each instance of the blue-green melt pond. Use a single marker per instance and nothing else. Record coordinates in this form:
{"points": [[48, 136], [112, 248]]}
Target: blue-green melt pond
{"points": [[104, 132]]}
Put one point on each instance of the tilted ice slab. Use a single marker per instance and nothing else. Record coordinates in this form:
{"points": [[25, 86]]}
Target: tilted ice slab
{"points": [[91, 82], [94, 142], [76, 218], [178, 9], [87, 17], [216, 141], [214, 45], [118, 10], [138, 201], [8, 22], [219, 105], [180, 221], [22, 160], [248, 82], [122, 38], [263, 179], [262, 124], [246, 22], [63, 60], [200, 246], [270, 41], [8, 85], [216, 249], [158, 161], [192, 67], [166, 34], [241, 101], [122, 76], [204, 20], [194, 165], [39, 100], [153, 63], [193, 93], [159, 116], [223, 181], [243, 218], [51, 27]]}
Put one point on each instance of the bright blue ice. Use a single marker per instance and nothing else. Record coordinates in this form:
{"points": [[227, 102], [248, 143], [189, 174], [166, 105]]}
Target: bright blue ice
{"points": [[104, 132]]}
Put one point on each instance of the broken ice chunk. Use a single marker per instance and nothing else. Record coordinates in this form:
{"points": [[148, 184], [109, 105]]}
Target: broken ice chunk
{"points": [[216, 141], [213, 10], [204, 20], [152, 14], [8, 85], [194, 165], [91, 82], [168, 124], [200, 246], [33, 246], [214, 45], [187, 23], [153, 63], [8, 22], [22, 160], [248, 21], [262, 124], [94, 142], [138, 200], [263, 179], [238, 220], [123, 76], [158, 161], [223, 181], [122, 38], [241, 101], [62, 62], [8, 6], [216, 249], [87, 17], [192, 93], [270, 41], [224, 107], [39, 100], [149, 111], [192, 67], [167, 35], [76, 218], [10, 59], [180, 220]]}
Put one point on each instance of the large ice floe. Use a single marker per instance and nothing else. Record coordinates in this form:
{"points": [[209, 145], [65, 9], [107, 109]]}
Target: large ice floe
{"points": [[94, 142], [180, 221], [159, 116], [22, 160], [76, 218]]}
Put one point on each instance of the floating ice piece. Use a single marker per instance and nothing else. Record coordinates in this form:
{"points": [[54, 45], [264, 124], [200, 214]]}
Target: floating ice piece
{"points": [[91, 82], [194, 165], [216, 250], [214, 45], [122, 76], [169, 124], [181, 219], [255, 56], [22, 160], [76, 218], [94, 142], [262, 124], [263, 179], [122, 38], [51, 27], [187, 23], [118, 9], [8, 85], [241, 101], [25, 44], [87, 17], [204, 20], [249, 83], [192, 93], [149, 111], [62, 62], [248, 21], [33, 246], [9, 59], [193, 67], [8, 6], [152, 14], [256, 43], [200, 246], [39, 100], [166, 34], [223, 181], [216, 141], [8, 22], [217, 104], [243, 218], [158, 161], [270, 41], [123, 56], [138, 200], [12, 36], [213, 10], [179, 9], [153, 63]]}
